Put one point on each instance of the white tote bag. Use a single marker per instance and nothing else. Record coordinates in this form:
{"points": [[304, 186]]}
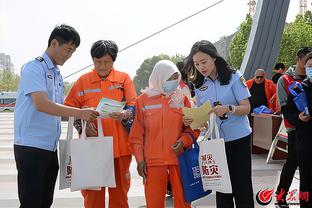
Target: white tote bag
{"points": [[212, 160], [92, 161], [65, 157]]}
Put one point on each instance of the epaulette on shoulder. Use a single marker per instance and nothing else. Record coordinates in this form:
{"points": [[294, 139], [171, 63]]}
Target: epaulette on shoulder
{"points": [[40, 59]]}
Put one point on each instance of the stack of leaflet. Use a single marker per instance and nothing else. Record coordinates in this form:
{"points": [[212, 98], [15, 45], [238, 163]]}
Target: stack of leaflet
{"points": [[107, 106]]}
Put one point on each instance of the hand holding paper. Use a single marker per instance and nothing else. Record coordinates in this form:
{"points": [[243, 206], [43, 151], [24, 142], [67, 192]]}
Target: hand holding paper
{"points": [[199, 115]]}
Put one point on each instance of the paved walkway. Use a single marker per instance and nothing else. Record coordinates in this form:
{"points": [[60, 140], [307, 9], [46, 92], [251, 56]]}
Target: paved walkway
{"points": [[264, 176]]}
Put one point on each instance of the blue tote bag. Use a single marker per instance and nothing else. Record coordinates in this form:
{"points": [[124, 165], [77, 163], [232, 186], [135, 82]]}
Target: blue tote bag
{"points": [[190, 174], [300, 97]]}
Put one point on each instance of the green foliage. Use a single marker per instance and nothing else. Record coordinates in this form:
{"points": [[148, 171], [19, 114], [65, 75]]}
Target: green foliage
{"points": [[239, 42], [140, 80], [306, 18], [296, 34], [8, 81]]}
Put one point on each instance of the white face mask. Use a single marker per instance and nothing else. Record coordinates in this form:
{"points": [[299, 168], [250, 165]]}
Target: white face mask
{"points": [[309, 72], [170, 86]]}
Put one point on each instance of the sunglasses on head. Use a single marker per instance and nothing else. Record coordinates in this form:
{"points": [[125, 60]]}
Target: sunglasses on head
{"points": [[259, 77]]}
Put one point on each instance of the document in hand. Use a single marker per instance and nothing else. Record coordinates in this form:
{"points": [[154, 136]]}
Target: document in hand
{"points": [[107, 106], [199, 115]]}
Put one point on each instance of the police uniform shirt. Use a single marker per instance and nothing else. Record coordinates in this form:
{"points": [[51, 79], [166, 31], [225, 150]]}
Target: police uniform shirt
{"points": [[234, 127], [31, 127]]}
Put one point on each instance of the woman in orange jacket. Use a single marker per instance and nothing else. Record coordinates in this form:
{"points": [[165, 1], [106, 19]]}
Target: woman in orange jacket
{"points": [[105, 81], [158, 135]]}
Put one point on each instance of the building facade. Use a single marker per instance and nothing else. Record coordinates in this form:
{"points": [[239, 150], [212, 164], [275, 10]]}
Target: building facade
{"points": [[223, 46], [5, 62]]}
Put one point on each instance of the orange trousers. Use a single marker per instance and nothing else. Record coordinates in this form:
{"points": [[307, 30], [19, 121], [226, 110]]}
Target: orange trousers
{"points": [[117, 196], [156, 186]]}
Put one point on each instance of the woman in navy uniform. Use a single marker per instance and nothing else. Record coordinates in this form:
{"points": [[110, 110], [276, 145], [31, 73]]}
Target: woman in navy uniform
{"points": [[226, 88]]}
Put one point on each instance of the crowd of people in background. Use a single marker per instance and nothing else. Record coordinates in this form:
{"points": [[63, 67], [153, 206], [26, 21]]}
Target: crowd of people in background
{"points": [[141, 129]]}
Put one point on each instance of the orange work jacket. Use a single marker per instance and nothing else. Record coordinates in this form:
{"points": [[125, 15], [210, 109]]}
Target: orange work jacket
{"points": [[156, 127], [88, 91], [270, 90]]}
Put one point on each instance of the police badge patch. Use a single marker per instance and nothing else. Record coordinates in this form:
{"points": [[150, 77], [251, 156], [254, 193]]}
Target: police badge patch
{"points": [[203, 88], [39, 58], [242, 79]]}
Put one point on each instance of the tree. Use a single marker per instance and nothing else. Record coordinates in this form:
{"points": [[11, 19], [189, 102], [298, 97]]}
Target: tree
{"points": [[140, 80], [8, 80], [307, 18], [239, 43], [296, 34]]}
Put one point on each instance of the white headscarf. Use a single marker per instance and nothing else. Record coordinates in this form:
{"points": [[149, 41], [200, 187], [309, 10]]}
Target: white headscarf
{"points": [[162, 71]]}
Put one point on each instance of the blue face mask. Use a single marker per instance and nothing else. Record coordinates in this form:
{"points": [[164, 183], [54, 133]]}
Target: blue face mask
{"points": [[309, 72], [170, 86]]}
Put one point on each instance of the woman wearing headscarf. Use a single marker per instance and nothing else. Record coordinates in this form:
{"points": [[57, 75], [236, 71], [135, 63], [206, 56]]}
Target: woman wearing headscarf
{"points": [[158, 135]]}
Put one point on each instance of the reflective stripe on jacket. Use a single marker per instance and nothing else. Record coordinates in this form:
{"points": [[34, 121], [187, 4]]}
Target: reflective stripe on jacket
{"points": [[156, 127]]}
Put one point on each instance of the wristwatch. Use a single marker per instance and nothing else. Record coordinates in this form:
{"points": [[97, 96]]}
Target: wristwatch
{"points": [[231, 108]]}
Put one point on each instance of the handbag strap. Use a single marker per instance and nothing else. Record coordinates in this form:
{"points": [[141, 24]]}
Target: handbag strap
{"points": [[212, 128], [70, 128], [194, 139], [84, 126], [100, 128]]}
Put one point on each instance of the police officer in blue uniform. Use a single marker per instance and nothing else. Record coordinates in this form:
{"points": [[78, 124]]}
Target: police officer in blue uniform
{"points": [[37, 119], [227, 90]]}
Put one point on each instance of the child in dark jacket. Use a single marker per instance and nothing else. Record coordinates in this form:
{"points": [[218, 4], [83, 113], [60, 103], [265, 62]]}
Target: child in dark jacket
{"points": [[303, 123]]}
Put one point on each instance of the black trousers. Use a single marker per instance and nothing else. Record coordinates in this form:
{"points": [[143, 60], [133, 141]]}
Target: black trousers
{"points": [[239, 163], [36, 176], [289, 167], [304, 154]]}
